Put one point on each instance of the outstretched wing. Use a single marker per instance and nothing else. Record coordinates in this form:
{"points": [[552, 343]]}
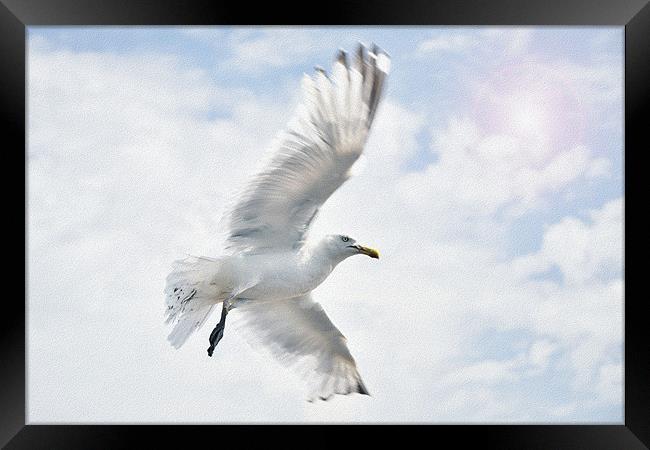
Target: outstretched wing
{"points": [[311, 158], [299, 334]]}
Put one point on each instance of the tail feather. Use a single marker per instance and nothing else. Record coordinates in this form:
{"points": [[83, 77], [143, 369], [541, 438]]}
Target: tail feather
{"points": [[190, 295]]}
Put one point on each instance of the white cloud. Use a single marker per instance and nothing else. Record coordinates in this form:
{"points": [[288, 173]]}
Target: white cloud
{"points": [[577, 330], [128, 168], [126, 172], [540, 353], [599, 167], [506, 42], [610, 383], [254, 50], [485, 373], [478, 174], [448, 43], [582, 251], [514, 40]]}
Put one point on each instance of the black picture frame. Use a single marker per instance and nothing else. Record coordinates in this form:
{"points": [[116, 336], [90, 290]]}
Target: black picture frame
{"points": [[634, 15]]}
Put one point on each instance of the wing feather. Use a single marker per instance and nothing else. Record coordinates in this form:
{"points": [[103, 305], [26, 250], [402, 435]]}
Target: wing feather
{"points": [[298, 333], [311, 158]]}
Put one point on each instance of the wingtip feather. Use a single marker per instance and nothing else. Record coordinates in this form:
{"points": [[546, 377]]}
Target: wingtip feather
{"points": [[361, 388], [383, 62], [342, 58]]}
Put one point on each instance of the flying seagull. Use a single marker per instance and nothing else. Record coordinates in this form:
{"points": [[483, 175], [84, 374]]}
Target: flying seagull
{"points": [[268, 268]]}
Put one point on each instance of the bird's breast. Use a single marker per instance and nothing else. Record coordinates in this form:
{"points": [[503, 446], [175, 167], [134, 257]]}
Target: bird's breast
{"points": [[287, 277]]}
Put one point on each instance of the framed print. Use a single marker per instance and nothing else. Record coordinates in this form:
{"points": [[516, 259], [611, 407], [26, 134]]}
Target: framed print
{"points": [[362, 214]]}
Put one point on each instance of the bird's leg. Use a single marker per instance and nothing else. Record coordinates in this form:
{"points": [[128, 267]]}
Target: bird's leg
{"points": [[217, 333]]}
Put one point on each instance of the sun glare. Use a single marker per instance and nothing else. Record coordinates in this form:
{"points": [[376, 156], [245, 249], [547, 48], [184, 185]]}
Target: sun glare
{"points": [[527, 114]]}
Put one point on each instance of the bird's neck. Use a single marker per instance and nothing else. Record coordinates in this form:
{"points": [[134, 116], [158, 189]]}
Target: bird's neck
{"points": [[319, 260]]}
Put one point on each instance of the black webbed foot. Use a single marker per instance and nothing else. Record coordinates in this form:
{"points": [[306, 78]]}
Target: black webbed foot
{"points": [[215, 337], [217, 333]]}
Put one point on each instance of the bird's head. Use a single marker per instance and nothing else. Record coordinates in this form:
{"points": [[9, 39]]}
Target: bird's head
{"points": [[344, 246]]}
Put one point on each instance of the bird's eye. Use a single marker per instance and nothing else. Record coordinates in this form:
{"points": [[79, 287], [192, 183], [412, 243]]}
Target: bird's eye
{"points": [[345, 238]]}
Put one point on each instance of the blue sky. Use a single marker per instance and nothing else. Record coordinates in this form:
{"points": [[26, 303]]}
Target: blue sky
{"points": [[492, 181]]}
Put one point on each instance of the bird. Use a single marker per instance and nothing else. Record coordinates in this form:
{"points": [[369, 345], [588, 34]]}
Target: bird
{"points": [[268, 268]]}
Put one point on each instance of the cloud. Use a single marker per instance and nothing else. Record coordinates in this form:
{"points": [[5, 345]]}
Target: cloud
{"points": [[505, 42], [127, 171], [610, 383], [514, 40], [479, 174], [131, 158], [448, 43], [254, 50], [571, 330], [449, 241], [583, 251], [540, 353]]}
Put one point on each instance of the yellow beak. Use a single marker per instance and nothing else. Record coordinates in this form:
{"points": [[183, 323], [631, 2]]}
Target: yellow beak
{"points": [[369, 251]]}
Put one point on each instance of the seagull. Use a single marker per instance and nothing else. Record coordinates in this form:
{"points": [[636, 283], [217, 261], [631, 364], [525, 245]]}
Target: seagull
{"points": [[269, 268]]}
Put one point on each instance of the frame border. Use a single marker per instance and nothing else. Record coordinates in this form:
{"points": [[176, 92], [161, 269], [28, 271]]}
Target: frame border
{"points": [[634, 15]]}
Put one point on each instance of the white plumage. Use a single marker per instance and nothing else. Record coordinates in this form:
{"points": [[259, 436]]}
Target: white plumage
{"points": [[268, 270]]}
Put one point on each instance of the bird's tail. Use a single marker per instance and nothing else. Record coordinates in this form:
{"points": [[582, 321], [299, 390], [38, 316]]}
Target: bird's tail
{"points": [[193, 288]]}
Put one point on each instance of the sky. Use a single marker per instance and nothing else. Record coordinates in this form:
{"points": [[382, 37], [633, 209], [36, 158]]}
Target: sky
{"points": [[492, 184]]}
